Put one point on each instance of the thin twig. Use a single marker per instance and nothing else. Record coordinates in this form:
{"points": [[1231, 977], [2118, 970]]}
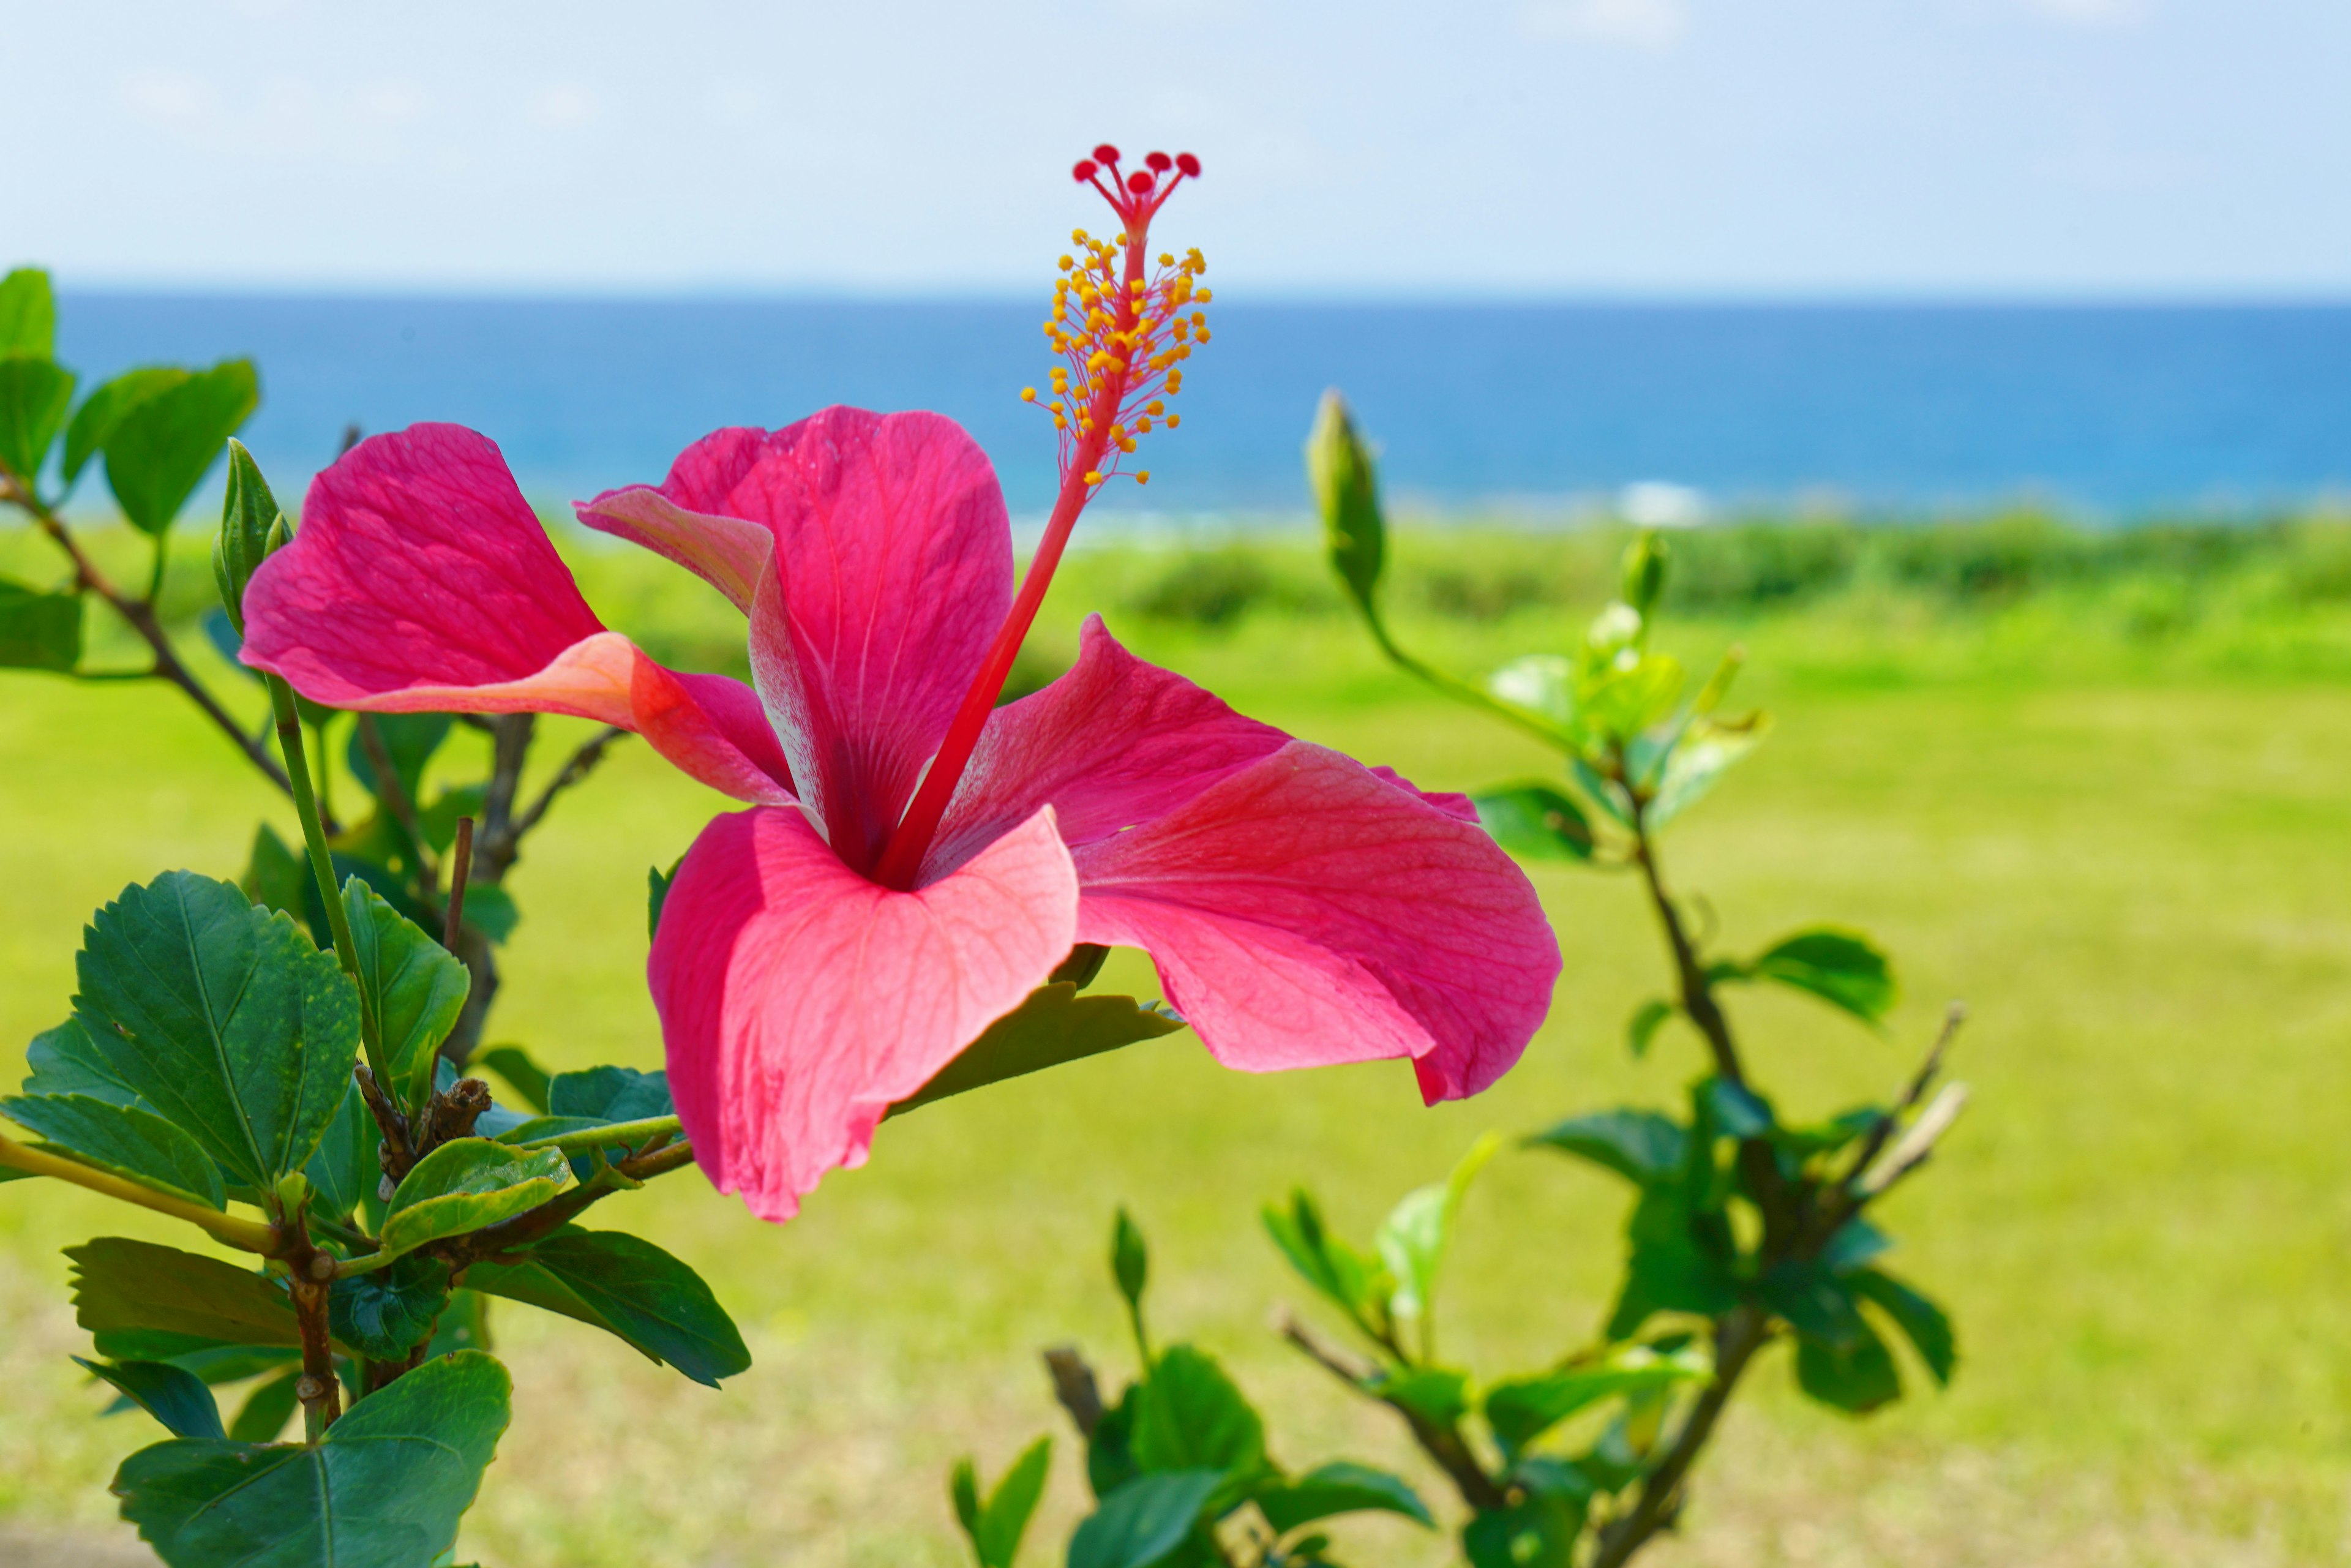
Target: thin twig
{"points": [[582, 763], [1442, 1444], [461, 867], [1738, 1336], [394, 793]]}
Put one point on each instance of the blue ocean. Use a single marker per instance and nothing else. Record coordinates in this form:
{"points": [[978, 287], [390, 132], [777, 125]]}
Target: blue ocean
{"points": [[2113, 412]]}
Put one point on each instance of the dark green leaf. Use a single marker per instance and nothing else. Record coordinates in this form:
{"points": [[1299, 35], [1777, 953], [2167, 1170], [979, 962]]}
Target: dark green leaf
{"points": [[38, 631], [1192, 1416], [389, 1311], [1144, 1521], [65, 1060], [1081, 967], [35, 392], [1339, 1488], [1523, 1410], [28, 313], [1053, 1026], [1109, 1449], [657, 882], [162, 446], [1736, 1111], [1669, 1273], [1857, 1241], [415, 987], [1921, 1320], [1539, 1532], [1647, 1018], [1856, 1376], [628, 1287], [384, 1489], [102, 410], [996, 1531], [126, 1140], [276, 877], [1535, 822], [1645, 1147], [610, 1094], [174, 1395], [526, 1078], [1355, 1282], [1438, 1394], [408, 739], [267, 1409], [465, 1185], [121, 1284], [1412, 1239], [492, 911], [222, 1363], [1346, 488], [439, 820], [963, 1492], [1129, 1260], [222, 1017], [347, 1170], [1814, 1302], [1841, 967], [1827, 1137]]}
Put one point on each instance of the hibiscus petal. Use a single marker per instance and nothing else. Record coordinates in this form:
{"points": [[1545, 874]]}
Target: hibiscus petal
{"points": [[892, 569], [1112, 743], [1304, 912], [800, 1000], [421, 581], [684, 519]]}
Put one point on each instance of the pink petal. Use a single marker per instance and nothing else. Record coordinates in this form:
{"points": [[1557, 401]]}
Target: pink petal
{"points": [[1112, 743], [686, 520], [1304, 912], [421, 581], [800, 1000], [1459, 807]]}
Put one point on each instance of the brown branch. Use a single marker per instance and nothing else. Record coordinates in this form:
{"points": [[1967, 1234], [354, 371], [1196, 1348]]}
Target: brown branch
{"points": [[318, 1389], [581, 764], [1075, 1387], [1444, 1444], [461, 867], [560, 1210], [1737, 1337]]}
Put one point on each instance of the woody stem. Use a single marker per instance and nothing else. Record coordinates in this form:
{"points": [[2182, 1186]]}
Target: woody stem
{"points": [[902, 856]]}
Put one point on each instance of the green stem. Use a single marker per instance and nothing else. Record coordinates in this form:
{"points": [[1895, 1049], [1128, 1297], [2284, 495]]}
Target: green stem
{"points": [[1454, 686], [322, 865], [251, 1235]]}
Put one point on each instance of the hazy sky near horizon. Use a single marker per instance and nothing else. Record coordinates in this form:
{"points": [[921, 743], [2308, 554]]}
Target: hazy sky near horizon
{"points": [[2078, 147]]}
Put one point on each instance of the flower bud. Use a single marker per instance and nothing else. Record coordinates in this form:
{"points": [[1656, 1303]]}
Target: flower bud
{"points": [[250, 525], [1644, 572], [1347, 486]]}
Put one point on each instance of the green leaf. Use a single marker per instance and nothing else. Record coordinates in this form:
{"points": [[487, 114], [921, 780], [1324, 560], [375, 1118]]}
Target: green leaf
{"points": [[347, 1170], [162, 446], [389, 1311], [997, 1528], [121, 1284], [1340, 1487], [610, 1094], [1854, 1243], [1625, 702], [415, 987], [38, 631], [1144, 1520], [384, 1488], [65, 1060], [28, 313], [1054, 1025], [1347, 490], [527, 1079], [34, 394], [657, 882], [267, 1409], [1192, 1416], [1129, 1260], [276, 877], [1541, 683], [103, 409], [1841, 967], [465, 1185], [1814, 1302], [1708, 749], [1353, 1281], [630, 1288], [1644, 572], [124, 1139], [492, 911], [439, 820], [409, 739], [1412, 1239], [1523, 1410], [1736, 1111], [1539, 1533], [1855, 1376], [1645, 1147], [1919, 1319], [1110, 1448], [1438, 1394], [1647, 1018], [1536, 821], [222, 1017], [963, 1492], [1081, 965], [1668, 1271], [174, 1395]]}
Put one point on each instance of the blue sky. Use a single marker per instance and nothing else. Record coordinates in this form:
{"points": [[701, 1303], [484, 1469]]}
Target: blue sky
{"points": [[2099, 148]]}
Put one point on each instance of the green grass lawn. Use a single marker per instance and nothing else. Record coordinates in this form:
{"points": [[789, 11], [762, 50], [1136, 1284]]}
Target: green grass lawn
{"points": [[2131, 857]]}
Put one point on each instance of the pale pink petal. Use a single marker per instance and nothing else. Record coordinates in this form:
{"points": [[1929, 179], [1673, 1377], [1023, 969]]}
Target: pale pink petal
{"points": [[729, 553], [421, 581], [1304, 912], [1112, 743], [891, 570], [800, 1000]]}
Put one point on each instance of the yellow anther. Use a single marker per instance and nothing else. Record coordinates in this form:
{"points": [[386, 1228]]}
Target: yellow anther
{"points": [[1092, 477], [1027, 394], [1067, 262], [1165, 259], [1173, 420], [1155, 406], [1142, 476], [1143, 425], [1101, 357], [1079, 236], [1201, 335], [1118, 432], [1060, 423], [1199, 317], [1204, 296]]}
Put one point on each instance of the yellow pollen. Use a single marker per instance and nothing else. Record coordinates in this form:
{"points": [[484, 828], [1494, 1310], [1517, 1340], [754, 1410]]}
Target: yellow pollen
{"points": [[1027, 394], [1092, 477], [1173, 420], [1155, 406], [1142, 476], [1143, 425]]}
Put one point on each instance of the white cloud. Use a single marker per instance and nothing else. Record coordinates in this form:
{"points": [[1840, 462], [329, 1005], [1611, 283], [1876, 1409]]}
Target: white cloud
{"points": [[1633, 24], [173, 98], [564, 107], [2090, 12]]}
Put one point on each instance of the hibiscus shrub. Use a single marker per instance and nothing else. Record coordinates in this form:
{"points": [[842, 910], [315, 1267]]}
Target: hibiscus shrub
{"points": [[1747, 1229]]}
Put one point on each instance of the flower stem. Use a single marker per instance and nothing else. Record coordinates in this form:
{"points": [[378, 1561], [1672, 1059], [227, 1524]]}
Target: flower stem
{"points": [[251, 1235]]}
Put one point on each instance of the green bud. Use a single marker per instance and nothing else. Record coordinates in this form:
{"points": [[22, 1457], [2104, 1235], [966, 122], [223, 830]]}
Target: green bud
{"points": [[1129, 1262], [1644, 572], [250, 525], [1346, 487], [293, 1191]]}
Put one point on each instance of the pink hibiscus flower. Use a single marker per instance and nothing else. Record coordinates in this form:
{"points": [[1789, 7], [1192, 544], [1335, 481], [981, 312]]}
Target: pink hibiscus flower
{"points": [[916, 861]]}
